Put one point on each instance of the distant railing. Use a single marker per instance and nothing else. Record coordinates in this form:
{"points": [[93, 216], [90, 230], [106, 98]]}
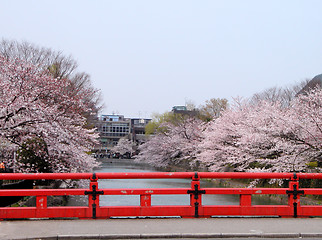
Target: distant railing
{"points": [[145, 208]]}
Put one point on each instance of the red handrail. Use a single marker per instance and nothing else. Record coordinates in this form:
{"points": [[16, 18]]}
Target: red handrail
{"points": [[159, 175], [194, 209]]}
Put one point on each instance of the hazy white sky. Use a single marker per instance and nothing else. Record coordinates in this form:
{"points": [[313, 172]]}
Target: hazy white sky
{"points": [[147, 56]]}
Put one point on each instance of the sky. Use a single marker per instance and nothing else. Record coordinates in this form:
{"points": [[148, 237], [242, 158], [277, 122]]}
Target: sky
{"points": [[148, 56]]}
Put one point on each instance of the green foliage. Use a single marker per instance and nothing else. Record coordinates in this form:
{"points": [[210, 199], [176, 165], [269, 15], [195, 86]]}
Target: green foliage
{"points": [[313, 164], [155, 126], [151, 127], [212, 109], [54, 69]]}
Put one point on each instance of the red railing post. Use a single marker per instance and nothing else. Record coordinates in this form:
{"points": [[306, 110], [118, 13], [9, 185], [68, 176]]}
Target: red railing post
{"points": [[245, 200], [41, 202], [93, 199], [41, 206], [145, 200], [294, 194], [195, 195]]}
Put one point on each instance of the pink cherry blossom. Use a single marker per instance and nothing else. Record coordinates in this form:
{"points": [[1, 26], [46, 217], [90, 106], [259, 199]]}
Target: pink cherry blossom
{"points": [[33, 104], [263, 136], [123, 146], [266, 136], [178, 144]]}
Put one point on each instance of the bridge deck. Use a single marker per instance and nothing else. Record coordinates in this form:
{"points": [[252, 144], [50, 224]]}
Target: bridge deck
{"points": [[168, 228]]}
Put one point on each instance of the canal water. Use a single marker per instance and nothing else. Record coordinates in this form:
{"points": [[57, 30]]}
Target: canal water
{"points": [[128, 165]]}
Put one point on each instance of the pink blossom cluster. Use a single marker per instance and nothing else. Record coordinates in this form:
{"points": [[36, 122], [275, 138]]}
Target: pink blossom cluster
{"points": [[123, 146], [33, 104], [266, 136], [177, 144]]}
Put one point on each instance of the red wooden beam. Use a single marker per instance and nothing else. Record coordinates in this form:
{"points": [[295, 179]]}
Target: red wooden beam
{"points": [[158, 175], [195, 209]]}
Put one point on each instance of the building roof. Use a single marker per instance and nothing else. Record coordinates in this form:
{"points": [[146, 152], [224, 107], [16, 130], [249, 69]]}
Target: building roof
{"points": [[179, 108]]}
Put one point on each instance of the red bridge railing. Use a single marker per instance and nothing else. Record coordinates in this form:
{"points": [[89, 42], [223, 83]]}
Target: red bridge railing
{"points": [[194, 209]]}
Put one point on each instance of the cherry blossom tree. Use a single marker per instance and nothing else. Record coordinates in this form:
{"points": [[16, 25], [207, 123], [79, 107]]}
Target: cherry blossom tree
{"points": [[60, 67], [266, 136], [176, 144], [124, 146], [35, 105], [283, 95]]}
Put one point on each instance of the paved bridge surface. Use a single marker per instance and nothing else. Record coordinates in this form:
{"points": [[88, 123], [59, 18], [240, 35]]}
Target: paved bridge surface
{"points": [[161, 228]]}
